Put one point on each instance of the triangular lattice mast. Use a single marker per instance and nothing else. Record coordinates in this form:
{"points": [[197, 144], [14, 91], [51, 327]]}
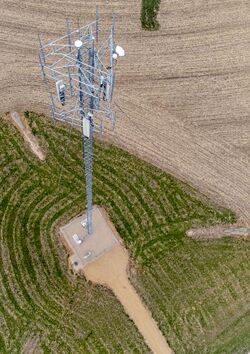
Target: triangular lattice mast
{"points": [[78, 71]]}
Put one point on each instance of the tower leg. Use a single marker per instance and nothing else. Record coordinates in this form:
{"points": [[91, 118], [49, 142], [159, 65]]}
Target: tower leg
{"points": [[88, 163]]}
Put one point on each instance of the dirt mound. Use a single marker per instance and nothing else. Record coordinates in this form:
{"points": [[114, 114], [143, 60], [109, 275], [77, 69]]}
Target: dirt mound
{"points": [[219, 231], [21, 124]]}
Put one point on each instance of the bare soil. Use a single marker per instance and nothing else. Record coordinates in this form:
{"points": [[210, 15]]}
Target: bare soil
{"points": [[219, 231], [107, 264], [31, 345], [111, 270], [182, 93], [21, 124]]}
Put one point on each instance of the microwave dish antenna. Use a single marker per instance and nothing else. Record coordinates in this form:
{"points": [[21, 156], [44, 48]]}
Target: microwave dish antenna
{"points": [[120, 51], [78, 69]]}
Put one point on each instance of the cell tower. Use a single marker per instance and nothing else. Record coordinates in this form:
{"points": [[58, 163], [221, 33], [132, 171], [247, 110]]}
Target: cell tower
{"points": [[78, 70]]}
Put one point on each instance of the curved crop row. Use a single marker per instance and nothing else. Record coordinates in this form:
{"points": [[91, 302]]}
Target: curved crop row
{"points": [[194, 289]]}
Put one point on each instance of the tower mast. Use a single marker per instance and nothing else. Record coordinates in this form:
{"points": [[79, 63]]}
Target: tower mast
{"points": [[78, 70]]}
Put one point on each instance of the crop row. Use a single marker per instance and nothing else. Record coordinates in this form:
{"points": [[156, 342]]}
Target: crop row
{"points": [[194, 289]]}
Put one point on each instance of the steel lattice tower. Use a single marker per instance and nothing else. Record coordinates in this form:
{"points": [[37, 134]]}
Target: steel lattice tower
{"points": [[78, 72]]}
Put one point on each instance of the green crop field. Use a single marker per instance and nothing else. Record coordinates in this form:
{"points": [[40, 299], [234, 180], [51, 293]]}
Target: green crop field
{"points": [[197, 291], [149, 11]]}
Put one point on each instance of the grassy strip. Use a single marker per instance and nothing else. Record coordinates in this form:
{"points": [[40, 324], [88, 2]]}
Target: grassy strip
{"points": [[197, 291], [149, 11]]}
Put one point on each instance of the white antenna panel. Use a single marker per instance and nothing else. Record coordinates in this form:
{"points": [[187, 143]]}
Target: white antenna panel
{"points": [[86, 127]]}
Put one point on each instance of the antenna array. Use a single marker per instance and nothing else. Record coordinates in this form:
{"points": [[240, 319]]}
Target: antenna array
{"points": [[78, 70]]}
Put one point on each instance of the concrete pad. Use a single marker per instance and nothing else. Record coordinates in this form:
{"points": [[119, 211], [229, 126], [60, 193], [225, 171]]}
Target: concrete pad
{"points": [[103, 259], [92, 246]]}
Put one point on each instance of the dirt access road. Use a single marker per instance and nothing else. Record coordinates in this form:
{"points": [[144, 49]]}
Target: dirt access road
{"points": [[182, 94], [111, 270], [104, 260]]}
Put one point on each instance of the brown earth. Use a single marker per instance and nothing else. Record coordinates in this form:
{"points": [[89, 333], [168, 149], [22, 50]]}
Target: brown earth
{"points": [[182, 94], [107, 264], [219, 231], [111, 270], [31, 345], [21, 124]]}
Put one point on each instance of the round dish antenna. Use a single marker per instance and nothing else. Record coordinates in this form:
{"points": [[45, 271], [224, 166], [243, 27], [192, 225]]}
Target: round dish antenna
{"points": [[78, 43], [120, 51]]}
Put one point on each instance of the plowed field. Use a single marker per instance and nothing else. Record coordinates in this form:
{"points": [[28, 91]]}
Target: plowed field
{"points": [[184, 90]]}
